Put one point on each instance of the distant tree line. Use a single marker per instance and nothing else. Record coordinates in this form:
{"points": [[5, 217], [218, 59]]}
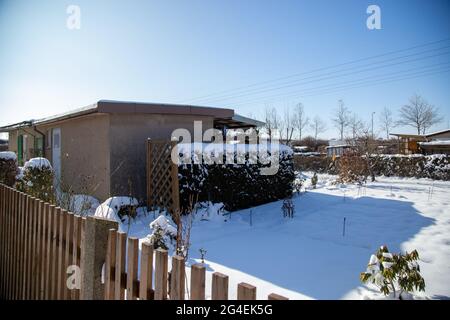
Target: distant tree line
{"points": [[291, 124]]}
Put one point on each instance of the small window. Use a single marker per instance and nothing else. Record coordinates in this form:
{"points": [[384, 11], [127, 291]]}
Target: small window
{"points": [[49, 139]]}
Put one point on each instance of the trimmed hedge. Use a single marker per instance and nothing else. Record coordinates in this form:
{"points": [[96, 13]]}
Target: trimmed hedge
{"points": [[237, 186], [419, 166]]}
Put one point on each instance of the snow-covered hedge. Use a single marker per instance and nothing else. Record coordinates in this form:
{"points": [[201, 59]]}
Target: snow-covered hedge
{"points": [[419, 166], [235, 185], [36, 179], [8, 168]]}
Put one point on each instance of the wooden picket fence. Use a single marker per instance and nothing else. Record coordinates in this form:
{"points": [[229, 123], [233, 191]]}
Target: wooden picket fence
{"points": [[38, 241], [122, 280]]}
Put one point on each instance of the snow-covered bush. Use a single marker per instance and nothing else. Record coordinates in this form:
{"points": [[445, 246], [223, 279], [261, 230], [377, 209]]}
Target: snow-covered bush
{"points": [[237, 186], [163, 233], [393, 273], [37, 179], [120, 209], [8, 168]]}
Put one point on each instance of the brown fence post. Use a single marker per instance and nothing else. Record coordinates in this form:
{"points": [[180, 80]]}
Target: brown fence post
{"points": [[76, 254], [110, 266], [177, 279], [132, 269], [94, 256], [68, 252], [161, 268], [274, 296], [219, 289], [246, 291], [198, 272], [145, 289], [121, 248]]}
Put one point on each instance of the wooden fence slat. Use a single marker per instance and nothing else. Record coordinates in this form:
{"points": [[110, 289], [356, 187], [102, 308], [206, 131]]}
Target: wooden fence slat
{"points": [[219, 289], [161, 267], [38, 247], [21, 234], [51, 216], [44, 265], [54, 254], [14, 247], [198, 276], [2, 242], [61, 254], [119, 292], [31, 217], [2, 233], [76, 254], [7, 241], [132, 268], [110, 264], [246, 291], [274, 296], [145, 290], [67, 254], [177, 279]]}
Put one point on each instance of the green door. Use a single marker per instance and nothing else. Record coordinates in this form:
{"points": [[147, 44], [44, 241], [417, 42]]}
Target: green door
{"points": [[20, 149]]}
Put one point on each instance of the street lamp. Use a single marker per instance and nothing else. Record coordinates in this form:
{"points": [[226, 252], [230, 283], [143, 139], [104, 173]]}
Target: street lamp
{"points": [[372, 123]]}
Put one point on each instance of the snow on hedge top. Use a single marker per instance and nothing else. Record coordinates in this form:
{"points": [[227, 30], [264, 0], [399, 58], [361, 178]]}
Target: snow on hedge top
{"points": [[8, 155], [217, 148], [111, 207], [39, 163], [234, 153], [163, 223]]}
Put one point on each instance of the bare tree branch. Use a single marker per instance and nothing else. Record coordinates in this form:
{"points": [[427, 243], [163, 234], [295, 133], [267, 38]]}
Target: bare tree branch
{"points": [[419, 114]]}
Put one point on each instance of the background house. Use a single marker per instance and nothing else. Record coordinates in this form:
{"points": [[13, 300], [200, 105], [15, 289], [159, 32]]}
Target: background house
{"points": [[337, 148], [101, 149], [432, 143]]}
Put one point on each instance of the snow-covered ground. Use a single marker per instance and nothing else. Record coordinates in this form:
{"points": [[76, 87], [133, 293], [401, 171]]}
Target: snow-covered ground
{"points": [[308, 257]]}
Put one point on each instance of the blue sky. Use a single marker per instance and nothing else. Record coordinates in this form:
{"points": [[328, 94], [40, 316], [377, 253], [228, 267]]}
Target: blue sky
{"points": [[173, 51]]}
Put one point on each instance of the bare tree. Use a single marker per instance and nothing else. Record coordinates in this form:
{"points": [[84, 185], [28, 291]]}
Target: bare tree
{"points": [[317, 126], [272, 121], [356, 125], [288, 125], [419, 114], [300, 119], [341, 118], [387, 121]]}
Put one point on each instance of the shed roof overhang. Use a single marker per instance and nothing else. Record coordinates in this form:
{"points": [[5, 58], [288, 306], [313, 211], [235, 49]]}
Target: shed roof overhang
{"points": [[237, 122], [110, 106]]}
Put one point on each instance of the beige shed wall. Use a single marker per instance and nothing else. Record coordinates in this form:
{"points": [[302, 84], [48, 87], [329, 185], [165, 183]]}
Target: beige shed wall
{"points": [[128, 137], [84, 154]]}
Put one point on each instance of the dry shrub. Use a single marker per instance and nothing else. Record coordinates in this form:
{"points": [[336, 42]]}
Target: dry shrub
{"points": [[352, 168]]}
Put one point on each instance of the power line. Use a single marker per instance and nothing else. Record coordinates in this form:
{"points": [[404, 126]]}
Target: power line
{"points": [[331, 76], [371, 83], [316, 70], [284, 94]]}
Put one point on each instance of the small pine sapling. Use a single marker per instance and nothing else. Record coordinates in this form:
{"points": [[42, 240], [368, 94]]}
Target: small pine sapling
{"points": [[393, 273], [314, 180]]}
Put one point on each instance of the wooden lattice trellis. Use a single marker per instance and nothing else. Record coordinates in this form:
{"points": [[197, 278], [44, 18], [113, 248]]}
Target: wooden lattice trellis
{"points": [[162, 177]]}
